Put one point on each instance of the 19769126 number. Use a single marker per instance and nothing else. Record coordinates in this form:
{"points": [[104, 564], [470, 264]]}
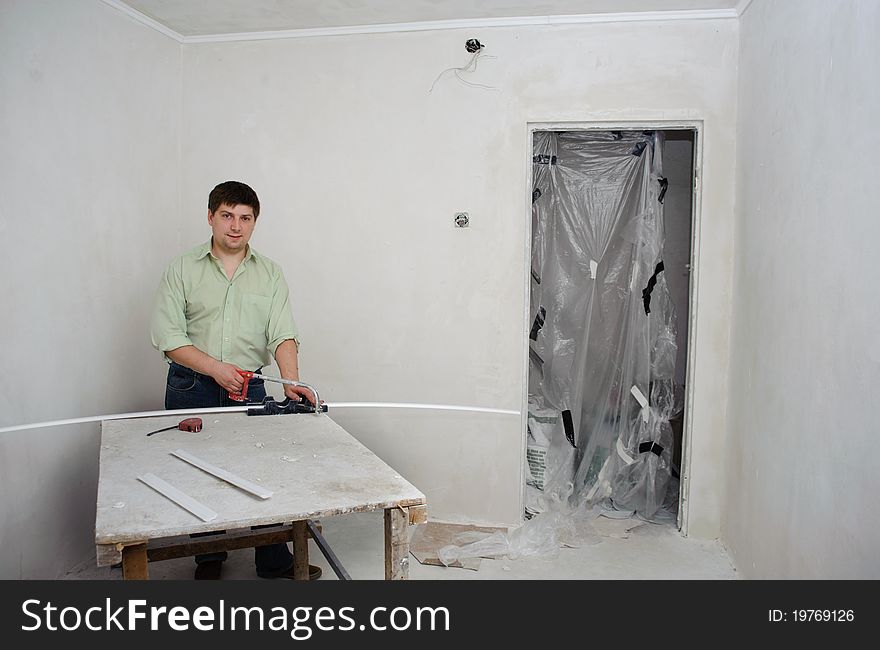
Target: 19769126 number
{"points": [[806, 615]]}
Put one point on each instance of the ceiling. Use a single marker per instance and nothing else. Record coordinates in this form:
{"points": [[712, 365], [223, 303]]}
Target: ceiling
{"points": [[194, 18]]}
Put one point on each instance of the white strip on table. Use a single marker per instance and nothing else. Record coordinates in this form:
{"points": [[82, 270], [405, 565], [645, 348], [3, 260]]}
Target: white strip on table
{"points": [[182, 499], [221, 473]]}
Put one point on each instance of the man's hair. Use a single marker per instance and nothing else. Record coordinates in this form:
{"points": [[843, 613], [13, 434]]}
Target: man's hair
{"points": [[233, 193]]}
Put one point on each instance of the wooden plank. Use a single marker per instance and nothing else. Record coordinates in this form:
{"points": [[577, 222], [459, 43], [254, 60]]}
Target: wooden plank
{"points": [[186, 546], [427, 540], [405, 503], [300, 551], [222, 474], [396, 544], [134, 562], [418, 514], [108, 554]]}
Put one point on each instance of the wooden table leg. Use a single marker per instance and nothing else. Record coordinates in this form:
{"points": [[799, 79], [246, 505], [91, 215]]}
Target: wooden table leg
{"points": [[300, 551], [134, 562], [396, 544]]}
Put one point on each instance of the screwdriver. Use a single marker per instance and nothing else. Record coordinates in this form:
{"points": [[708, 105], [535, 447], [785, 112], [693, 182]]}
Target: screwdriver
{"points": [[193, 425]]}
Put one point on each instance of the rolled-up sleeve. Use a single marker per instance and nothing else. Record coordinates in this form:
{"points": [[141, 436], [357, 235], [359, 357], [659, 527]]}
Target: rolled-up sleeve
{"points": [[168, 320], [281, 325]]}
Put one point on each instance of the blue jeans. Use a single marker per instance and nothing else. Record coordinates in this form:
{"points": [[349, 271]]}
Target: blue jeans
{"points": [[187, 389]]}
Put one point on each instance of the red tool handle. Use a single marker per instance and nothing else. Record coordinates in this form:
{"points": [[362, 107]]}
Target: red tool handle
{"points": [[242, 396]]}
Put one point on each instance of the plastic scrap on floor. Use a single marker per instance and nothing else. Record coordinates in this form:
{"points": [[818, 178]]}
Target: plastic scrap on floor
{"points": [[432, 536], [541, 536]]}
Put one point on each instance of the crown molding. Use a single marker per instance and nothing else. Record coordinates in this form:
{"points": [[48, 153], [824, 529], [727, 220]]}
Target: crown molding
{"points": [[143, 19], [432, 25]]}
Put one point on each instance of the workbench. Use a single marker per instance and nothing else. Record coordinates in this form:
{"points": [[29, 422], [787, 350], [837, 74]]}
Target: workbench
{"points": [[314, 468]]}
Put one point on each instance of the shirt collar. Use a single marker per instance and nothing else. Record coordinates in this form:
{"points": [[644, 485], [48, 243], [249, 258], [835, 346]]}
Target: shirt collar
{"points": [[205, 250]]}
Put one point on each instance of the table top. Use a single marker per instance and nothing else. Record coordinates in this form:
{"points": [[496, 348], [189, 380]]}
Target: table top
{"points": [[312, 465]]}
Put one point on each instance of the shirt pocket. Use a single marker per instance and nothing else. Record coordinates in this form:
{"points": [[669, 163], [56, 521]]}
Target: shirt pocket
{"points": [[255, 314]]}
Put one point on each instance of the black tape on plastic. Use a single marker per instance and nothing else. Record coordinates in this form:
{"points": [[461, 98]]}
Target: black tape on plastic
{"points": [[538, 324], [646, 292], [664, 185], [536, 358], [536, 194], [638, 148], [544, 159], [536, 277], [650, 446], [568, 424]]}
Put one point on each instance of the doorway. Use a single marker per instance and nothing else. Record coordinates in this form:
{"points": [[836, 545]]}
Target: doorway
{"points": [[609, 314]]}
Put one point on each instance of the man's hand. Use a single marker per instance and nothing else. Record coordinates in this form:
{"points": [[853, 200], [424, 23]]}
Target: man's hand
{"points": [[297, 392], [227, 376], [285, 356]]}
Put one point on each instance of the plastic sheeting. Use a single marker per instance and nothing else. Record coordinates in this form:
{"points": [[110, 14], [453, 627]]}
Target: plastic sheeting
{"points": [[540, 536], [603, 347]]}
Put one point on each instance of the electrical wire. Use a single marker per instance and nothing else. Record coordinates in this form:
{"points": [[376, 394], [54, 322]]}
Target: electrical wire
{"points": [[470, 67]]}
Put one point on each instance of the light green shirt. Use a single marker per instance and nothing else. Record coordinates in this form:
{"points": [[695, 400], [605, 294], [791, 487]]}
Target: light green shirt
{"points": [[238, 321]]}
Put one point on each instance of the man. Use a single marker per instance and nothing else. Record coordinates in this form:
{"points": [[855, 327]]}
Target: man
{"points": [[222, 307]]}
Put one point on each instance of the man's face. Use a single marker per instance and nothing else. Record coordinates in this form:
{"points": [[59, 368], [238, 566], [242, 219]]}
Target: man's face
{"points": [[232, 226]]}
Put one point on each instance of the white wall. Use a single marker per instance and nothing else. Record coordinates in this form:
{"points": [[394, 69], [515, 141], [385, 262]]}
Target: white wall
{"points": [[360, 170], [89, 112], [801, 498]]}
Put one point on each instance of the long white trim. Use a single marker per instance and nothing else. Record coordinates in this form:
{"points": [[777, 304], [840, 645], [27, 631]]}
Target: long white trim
{"points": [[430, 25], [430, 407], [222, 474], [144, 19], [475, 23], [639, 16], [239, 409], [182, 499], [120, 416]]}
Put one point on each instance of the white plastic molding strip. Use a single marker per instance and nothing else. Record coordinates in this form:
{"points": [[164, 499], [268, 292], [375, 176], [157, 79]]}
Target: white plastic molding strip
{"points": [[221, 473], [239, 409], [432, 407], [182, 499]]}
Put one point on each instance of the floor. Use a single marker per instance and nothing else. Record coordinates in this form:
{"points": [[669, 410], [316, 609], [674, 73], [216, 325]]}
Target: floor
{"points": [[646, 551]]}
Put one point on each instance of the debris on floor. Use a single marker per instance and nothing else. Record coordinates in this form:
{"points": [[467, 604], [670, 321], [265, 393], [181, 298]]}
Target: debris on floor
{"points": [[616, 528], [554, 522], [557, 525], [427, 541]]}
